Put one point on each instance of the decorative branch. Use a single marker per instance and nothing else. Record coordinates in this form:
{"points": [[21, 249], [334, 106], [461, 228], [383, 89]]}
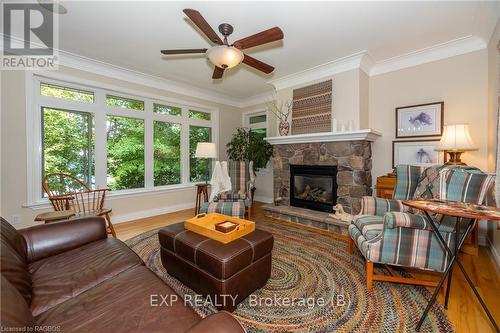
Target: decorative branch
{"points": [[280, 108]]}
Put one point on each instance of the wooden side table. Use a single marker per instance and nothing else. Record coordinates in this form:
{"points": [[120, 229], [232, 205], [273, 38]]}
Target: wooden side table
{"points": [[201, 190], [385, 186], [470, 213], [55, 216]]}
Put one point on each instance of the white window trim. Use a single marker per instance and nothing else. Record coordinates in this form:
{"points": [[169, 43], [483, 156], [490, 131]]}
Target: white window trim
{"points": [[34, 102], [245, 116]]}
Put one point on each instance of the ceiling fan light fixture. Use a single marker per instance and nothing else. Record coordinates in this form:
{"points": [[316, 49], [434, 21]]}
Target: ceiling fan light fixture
{"points": [[224, 56]]}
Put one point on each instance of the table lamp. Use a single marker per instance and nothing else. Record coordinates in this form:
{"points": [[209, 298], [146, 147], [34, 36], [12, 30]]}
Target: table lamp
{"points": [[455, 140], [206, 150]]}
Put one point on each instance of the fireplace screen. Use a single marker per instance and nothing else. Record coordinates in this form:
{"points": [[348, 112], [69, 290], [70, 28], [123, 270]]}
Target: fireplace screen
{"points": [[318, 188], [313, 187]]}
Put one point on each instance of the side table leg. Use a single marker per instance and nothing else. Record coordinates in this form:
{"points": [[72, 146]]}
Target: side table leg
{"points": [[457, 239], [453, 258]]}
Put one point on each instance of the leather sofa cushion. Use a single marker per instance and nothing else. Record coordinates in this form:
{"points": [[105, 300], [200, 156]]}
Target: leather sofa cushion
{"points": [[14, 311], [220, 260], [123, 304], [58, 278]]}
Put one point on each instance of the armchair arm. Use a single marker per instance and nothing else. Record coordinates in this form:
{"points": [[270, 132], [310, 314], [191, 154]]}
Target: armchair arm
{"points": [[406, 220], [220, 322], [50, 239], [378, 206]]}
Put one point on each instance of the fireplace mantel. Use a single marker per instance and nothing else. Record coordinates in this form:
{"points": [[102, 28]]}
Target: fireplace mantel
{"points": [[360, 135]]}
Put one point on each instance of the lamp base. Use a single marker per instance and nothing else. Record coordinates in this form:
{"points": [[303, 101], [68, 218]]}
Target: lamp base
{"points": [[454, 158]]}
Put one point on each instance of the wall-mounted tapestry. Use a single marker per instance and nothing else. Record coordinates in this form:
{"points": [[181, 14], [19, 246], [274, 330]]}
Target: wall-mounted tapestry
{"points": [[312, 108]]}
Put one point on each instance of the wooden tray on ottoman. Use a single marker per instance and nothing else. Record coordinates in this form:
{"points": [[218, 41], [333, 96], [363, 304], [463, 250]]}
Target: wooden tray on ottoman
{"points": [[205, 225]]}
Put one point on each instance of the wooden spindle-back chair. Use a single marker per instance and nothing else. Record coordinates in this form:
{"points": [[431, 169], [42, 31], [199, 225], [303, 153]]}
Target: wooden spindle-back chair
{"points": [[68, 192]]}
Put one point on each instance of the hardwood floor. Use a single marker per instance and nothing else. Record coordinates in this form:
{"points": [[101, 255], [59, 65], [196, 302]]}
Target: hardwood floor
{"points": [[464, 310]]}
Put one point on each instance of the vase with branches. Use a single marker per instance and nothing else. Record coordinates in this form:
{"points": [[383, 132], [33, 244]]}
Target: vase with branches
{"points": [[282, 110]]}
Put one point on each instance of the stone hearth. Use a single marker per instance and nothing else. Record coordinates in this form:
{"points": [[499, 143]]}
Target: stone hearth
{"points": [[307, 217], [352, 158]]}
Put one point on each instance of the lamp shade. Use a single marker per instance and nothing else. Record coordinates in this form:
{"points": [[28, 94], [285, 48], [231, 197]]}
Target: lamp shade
{"points": [[456, 138], [224, 56], [206, 150]]}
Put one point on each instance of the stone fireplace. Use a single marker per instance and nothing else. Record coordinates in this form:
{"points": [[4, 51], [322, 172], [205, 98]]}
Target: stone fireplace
{"points": [[346, 156]]}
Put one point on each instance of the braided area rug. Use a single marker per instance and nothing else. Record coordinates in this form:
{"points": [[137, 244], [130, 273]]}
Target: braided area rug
{"points": [[324, 285]]}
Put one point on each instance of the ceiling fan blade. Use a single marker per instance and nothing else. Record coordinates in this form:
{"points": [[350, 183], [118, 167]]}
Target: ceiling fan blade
{"points": [[260, 38], [203, 25], [217, 73], [183, 51], [257, 64]]}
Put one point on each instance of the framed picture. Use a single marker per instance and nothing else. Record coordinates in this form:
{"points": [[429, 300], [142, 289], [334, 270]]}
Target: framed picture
{"points": [[420, 120], [418, 152]]}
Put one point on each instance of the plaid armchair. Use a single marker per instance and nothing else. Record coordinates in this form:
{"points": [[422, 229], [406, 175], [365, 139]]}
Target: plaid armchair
{"points": [[242, 182], [387, 232]]}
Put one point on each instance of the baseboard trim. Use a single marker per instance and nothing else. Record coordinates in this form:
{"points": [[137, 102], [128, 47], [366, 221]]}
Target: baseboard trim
{"points": [[494, 253], [116, 219], [263, 199]]}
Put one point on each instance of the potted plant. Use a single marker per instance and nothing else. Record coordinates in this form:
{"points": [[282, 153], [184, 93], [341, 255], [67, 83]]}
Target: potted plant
{"points": [[248, 145]]}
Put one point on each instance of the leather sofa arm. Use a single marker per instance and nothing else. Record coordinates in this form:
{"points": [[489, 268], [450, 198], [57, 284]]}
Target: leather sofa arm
{"points": [[220, 322], [46, 240]]}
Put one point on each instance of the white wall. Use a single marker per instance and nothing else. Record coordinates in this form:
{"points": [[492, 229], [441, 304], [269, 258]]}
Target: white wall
{"points": [[461, 82], [494, 136], [14, 156]]}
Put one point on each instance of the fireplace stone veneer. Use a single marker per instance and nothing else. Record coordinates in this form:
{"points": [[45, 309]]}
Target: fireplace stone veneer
{"points": [[352, 159]]}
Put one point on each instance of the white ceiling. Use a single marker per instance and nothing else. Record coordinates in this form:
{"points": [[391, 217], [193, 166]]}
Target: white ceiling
{"points": [[131, 34]]}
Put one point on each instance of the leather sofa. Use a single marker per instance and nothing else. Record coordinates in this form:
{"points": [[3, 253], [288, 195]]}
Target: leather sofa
{"points": [[70, 277]]}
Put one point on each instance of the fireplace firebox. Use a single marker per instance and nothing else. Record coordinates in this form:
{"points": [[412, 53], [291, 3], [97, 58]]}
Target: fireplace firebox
{"points": [[313, 187]]}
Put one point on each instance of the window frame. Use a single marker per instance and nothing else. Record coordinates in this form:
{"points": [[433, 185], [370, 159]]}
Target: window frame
{"points": [[263, 125], [100, 110]]}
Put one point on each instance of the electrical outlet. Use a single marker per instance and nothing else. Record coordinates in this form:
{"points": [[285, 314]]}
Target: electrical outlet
{"points": [[15, 219]]}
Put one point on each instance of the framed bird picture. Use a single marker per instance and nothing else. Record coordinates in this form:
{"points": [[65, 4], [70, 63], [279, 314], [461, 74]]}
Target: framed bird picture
{"points": [[420, 120], [417, 152]]}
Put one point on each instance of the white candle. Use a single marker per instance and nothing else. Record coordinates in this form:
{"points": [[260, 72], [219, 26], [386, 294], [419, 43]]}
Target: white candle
{"points": [[334, 125], [351, 125]]}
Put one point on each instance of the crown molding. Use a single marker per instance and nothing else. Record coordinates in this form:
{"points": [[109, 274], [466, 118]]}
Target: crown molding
{"points": [[102, 68], [436, 52], [330, 68], [257, 99]]}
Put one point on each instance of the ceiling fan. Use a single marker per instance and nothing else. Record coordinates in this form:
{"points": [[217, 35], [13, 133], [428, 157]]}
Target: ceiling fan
{"points": [[224, 55]]}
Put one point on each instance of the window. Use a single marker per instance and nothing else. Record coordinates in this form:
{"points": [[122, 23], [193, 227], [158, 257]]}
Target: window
{"points": [[126, 103], [66, 93], [165, 109], [68, 143], [257, 123], [199, 168], [167, 153], [257, 119], [126, 143], [199, 115]]}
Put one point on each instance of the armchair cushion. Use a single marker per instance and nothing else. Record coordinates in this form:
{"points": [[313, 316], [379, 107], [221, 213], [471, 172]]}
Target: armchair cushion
{"points": [[464, 185], [408, 177], [379, 206]]}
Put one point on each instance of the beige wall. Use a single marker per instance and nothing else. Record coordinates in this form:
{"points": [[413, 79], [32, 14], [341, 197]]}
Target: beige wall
{"points": [[14, 159], [461, 82], [494, 136]]}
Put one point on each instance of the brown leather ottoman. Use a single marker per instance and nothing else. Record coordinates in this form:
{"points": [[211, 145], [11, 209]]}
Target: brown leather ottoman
{"points": [[214, 269]]}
